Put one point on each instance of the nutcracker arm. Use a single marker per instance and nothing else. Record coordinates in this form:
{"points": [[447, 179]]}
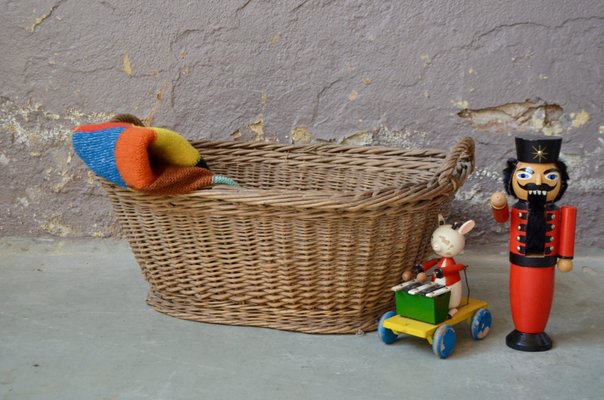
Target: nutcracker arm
{"points": [[568, 225], [499, 207]]}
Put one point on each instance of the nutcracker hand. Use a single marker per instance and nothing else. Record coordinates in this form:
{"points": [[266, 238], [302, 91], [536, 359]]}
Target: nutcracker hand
{"points": [[565, 265], [438, 272], [498, 200]]}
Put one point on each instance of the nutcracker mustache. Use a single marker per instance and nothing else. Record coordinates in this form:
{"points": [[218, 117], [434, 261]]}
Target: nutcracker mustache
{"points": [[537, 190]]}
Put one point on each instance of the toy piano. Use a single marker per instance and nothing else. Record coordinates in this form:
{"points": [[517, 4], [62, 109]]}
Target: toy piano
{"points": [[421, 311]]}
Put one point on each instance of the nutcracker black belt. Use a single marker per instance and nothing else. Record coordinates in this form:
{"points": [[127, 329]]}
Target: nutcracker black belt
{"points": [[535, 262]]}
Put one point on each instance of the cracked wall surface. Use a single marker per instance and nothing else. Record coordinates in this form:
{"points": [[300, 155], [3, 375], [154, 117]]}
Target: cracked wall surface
{"points": [[404, 74]]}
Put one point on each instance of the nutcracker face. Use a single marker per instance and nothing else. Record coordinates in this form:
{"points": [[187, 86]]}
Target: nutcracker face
{"points": [[537, 181]]}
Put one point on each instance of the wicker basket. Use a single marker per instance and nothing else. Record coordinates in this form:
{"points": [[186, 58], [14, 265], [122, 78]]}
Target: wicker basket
{"points": [[311, 242]]}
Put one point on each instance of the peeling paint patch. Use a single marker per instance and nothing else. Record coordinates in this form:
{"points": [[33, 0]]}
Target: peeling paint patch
{"points": [[407, 138], [263, 100], [275, 38], [3, 159], [16, 124], [583, 165], [258, 128], [579, 119], [55, 227], [53, 116], [77, 117], [65, 179], [23, 201], [530, 115], [301, 136], [353, 95], [127, 65], [601, 129], [426, 59], [474, 196], [460, 103], [30, 126], [367, 81], [148, 120], [90, 178], [472, 71], [359, 139]]}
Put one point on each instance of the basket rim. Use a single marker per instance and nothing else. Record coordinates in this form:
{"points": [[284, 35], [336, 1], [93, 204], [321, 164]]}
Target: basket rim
{"points": [[453, 171]]}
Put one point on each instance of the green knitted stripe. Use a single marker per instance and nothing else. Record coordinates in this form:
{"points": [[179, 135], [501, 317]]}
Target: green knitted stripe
{"points": [[223, 180]]}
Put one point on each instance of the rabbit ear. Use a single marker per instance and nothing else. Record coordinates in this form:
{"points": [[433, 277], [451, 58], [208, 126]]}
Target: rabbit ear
{"points": [[441, 219], [466, 227]]}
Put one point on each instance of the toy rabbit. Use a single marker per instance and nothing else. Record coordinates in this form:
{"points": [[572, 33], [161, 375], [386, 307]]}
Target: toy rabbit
{"points": [[447, 241]]}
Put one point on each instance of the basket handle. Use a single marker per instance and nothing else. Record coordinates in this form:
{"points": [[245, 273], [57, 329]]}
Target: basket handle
{"points": [[458, 164]]}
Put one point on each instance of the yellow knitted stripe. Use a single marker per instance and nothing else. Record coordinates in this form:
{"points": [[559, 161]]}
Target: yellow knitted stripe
{"points": [[173, 149]]}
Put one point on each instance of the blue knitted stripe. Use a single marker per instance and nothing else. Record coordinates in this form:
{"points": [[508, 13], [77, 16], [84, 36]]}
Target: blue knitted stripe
{"points": [[96, 149], [223, 180]]}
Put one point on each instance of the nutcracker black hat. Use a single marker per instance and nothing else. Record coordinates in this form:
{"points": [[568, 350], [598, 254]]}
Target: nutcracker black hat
{"points": [[538, 149]]}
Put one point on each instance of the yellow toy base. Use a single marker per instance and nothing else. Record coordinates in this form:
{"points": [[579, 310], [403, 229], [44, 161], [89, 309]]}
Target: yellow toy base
{"points": [[400, 325]]}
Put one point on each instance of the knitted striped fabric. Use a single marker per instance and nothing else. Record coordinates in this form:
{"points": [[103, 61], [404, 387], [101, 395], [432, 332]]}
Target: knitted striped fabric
{"points": [[96, 148], [150, 160]]}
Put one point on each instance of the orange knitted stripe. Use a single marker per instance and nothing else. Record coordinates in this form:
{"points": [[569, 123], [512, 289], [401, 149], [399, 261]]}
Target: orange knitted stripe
{"points": [[132, 157], [178, 180]]}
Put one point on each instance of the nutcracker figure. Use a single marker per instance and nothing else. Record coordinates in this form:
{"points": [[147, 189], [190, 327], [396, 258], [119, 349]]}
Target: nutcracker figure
{"points": [[542, 235]]}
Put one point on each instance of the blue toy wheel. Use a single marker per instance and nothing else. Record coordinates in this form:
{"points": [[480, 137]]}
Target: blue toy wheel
{"points": [[385, 334], [443, 341], [481, 324]]}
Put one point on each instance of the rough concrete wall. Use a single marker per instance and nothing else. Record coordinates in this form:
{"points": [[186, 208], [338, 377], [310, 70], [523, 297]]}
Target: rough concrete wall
{"points": [[394, 73]]}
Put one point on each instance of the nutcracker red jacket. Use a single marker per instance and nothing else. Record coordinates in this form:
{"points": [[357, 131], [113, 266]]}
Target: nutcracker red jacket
{"points": [[559, 233]]}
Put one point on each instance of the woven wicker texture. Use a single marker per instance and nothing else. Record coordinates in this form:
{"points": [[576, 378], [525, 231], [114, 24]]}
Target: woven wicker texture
{"points": [[312, 241]]}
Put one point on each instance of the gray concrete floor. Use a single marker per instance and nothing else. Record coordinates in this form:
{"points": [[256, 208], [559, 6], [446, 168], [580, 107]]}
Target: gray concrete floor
{"points": [[74, 325]]}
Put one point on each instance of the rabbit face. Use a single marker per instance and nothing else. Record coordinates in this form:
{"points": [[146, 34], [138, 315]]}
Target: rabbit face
{"points": [[449, 242]]}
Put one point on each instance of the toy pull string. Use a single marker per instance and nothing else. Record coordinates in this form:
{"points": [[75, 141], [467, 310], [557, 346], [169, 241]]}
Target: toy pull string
{"points": [[465, 274]]}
